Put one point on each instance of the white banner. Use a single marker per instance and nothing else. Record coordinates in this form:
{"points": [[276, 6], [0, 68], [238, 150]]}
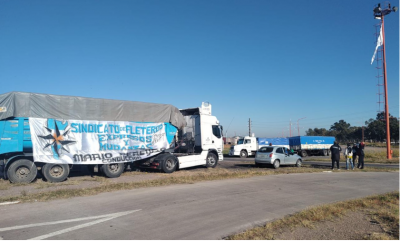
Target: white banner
{"points": [[97, 142]]}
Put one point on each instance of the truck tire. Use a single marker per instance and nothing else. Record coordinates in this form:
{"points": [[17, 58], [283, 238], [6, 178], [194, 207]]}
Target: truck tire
{"points": [[324, 152], [22, 171], [112, 170], [54, 172], [211, 160], [169, 163], [303, 153], [277, 164], [243, 154]]}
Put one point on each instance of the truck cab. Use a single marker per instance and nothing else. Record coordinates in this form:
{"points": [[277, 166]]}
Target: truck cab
{"points": [[246, 146]]}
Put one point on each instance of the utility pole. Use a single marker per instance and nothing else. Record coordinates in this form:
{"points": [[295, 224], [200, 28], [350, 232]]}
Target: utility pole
{"points": [[362, 135], [298, 128], [290, 128], [249, 127], [379, 14]]}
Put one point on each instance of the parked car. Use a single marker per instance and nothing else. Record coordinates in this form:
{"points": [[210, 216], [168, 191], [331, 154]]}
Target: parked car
{"points": [[277, 156]]}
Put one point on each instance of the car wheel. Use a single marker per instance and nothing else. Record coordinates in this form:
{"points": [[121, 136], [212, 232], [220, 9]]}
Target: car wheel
{"points": [[298, 163], [277, 163], [243, 154]]}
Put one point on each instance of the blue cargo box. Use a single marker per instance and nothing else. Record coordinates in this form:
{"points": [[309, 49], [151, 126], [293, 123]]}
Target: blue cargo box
{"points": [[311, 142], [274, 141]]}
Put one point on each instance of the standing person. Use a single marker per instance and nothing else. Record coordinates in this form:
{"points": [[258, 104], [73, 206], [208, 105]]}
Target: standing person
{"points": [[335, 154], [361, 156], [355, 150], [348, 153]]}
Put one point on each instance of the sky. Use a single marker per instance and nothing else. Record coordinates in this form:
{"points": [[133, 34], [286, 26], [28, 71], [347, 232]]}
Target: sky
{"points": [[286, 65]]}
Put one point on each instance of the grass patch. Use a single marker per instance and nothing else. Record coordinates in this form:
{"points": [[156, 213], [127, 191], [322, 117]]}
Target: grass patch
{"points": [[4, 185], [382, 208], [181, 177]]}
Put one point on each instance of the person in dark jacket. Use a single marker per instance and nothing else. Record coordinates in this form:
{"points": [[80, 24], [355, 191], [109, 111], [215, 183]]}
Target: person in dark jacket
{"points": [[335, 154], [355, 151], [361, 156]]}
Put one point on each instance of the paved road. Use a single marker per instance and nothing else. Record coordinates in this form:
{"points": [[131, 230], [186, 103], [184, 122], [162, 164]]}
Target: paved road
{"points": [[310, 161], [206, 210]]}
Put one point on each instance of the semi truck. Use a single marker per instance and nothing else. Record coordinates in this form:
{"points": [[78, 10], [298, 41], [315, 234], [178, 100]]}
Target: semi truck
{"points": [[248, 145], [311, 145], [53, 133]]}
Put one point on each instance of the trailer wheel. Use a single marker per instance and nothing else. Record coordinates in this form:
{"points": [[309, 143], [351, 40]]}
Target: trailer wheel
{"points": [[168, 163], [277, 164], [324, 152], [243, 154], [212, 160], [112, 170], [22, 171], [54, 172], [303, 153], [298, 163]]}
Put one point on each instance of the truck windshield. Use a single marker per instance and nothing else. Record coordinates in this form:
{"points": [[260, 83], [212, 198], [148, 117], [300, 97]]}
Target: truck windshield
{"points": [[240, 141]]}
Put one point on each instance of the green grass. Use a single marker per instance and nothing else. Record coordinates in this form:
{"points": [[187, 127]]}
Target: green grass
{"points": [[382, 208]]}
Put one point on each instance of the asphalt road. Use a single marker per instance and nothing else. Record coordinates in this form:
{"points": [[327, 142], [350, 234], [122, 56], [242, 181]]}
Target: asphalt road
{"points": [[205, 210], [310, 161]]}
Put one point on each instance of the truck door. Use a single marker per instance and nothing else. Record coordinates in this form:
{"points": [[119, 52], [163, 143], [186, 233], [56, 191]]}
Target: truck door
{"points": [[248, 145], [217, 139]]}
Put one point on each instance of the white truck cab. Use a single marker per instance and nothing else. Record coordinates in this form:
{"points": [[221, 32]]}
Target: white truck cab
{"points": [[246, 146]]}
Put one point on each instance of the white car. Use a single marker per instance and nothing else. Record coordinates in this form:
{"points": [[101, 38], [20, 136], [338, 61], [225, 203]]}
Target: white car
{"points": [[277, 156]]}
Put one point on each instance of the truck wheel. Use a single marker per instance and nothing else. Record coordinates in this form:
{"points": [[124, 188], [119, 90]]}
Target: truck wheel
{"points": [[168, 163], [303, 153], [298, 163], [243, 154], [325, 152], [211, 160], [329, 153], [112, 170], [277, 163], [53, 172], [22, 171]]}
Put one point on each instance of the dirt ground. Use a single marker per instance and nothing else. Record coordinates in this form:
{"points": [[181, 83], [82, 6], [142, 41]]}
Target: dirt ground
{"points": [[353, 226]]}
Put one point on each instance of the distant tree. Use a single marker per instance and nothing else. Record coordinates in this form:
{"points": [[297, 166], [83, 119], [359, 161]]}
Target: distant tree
{"points": [[317, 132], [341, 130]]}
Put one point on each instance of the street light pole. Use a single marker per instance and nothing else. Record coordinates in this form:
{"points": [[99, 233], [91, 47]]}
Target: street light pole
{"points": [[298, 128], [379, 14]]}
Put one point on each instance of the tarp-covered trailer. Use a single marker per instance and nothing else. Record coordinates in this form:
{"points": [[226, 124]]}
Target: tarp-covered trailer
{"points": [[54, 132], [311, 145]]}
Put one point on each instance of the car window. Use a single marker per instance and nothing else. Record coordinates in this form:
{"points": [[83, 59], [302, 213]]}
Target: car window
{"points": [[266, 149], [279, 150]]}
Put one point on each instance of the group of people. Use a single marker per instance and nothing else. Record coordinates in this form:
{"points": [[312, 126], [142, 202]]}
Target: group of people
{"points": [[351, 153]]}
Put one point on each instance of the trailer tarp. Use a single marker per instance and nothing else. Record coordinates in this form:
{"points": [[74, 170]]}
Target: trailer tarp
{"points": [[23, 104]]}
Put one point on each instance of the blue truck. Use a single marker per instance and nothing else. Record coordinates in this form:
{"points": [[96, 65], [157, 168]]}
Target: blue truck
{"points": [[53, 133], [311, 145]]}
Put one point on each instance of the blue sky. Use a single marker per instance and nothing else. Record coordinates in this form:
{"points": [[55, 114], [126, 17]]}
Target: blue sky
{"points": [[271, 61]]}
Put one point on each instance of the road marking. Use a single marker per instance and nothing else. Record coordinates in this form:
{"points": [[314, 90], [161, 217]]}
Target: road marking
{"points": [[102, 218], [8, 203]]}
